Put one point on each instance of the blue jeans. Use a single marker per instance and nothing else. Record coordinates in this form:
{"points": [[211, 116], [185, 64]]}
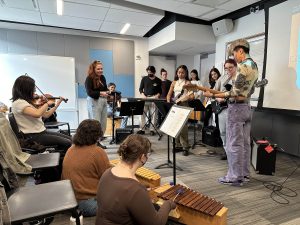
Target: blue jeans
{"points": [[88, 207], [117, 113], [97, 110]]}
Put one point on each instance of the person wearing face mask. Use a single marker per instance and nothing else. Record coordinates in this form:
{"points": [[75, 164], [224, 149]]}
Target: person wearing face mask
{"points": [[224, 84], [150, 87], [181, 79], [97, 92], [121, 198]]}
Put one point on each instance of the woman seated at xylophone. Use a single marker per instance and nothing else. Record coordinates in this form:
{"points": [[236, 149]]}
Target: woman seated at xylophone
{"points": [[84, 164], [121, 198]]}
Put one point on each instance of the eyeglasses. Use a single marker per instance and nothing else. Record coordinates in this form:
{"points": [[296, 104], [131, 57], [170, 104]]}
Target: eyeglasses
{"points": [[228, 68]]}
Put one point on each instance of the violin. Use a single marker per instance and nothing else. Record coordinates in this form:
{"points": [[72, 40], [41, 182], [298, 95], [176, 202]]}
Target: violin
{"points": [[39, 100]]}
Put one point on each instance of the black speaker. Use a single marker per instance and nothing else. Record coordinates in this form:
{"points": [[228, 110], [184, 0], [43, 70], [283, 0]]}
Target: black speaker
{"points": [[211, 136], [121, 134], [263, 158]]}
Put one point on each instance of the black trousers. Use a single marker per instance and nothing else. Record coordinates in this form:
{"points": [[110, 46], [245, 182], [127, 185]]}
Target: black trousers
{"points": [[48, 138]]}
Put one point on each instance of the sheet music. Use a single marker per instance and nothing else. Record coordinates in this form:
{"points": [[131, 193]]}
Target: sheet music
{"points": [[175, 120]]}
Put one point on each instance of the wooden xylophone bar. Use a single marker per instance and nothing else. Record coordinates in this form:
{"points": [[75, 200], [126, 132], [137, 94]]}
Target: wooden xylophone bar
{"points": [[145, 176], [192, 200]]}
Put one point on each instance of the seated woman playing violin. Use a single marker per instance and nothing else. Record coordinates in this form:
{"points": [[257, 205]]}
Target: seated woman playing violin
{"points": [[29, 112]]}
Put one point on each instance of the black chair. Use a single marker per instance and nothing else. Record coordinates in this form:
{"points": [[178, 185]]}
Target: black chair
{"points": [[56, 125], [14, 125], [20, 135]]}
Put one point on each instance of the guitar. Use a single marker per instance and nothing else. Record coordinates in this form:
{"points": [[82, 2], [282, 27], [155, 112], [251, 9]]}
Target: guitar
{"points": [[182, 97], [194, 87], [217, 107]]}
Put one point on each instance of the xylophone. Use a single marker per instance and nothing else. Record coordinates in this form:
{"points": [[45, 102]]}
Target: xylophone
{"points": [[144, 175], [193, 207]]}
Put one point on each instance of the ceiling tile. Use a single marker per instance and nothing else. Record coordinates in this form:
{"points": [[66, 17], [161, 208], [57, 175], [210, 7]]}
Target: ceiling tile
{"points": [[47, 6], [71, 22], [211, 3], [168, 5], [236, 4], [20, 4], [19, 15], [114, 6], [75, 9], [134, 18], [194, 10], [92, 2], [111, 27], [214, 14]]}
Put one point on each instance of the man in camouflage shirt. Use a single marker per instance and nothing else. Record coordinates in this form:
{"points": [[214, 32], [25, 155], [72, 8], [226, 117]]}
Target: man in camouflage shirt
{"points": [[239, 115]]}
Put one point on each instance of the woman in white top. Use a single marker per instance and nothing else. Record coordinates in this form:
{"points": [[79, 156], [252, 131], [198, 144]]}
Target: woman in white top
{"points": [[195, 80], [181, 78], [29, 117]]}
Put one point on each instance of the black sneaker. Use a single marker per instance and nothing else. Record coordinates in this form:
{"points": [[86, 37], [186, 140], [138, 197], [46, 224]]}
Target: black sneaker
{"points": [[141, 132], [101, 145], [152, 133], [223, 156], [185, 153]]}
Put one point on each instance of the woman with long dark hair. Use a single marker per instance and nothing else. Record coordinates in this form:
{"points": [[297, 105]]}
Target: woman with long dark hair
{"points": [[29, 116], [181, 79], [214, 75]]}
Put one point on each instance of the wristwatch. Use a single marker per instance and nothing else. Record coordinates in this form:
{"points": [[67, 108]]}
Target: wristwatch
{"points": [[213, 96]]}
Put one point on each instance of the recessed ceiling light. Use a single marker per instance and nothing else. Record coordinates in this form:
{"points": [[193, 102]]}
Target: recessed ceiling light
{"points": [[59, 5], [125, 28]]}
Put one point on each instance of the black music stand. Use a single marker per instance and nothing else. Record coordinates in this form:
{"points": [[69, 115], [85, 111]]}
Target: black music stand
{"points": [[132, 108], [163, 108], [179, 114], [115, 94], [197, 105], [149, 118]]}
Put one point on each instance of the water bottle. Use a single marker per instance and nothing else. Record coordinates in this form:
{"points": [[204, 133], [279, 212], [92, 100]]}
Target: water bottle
{"points": [[73, 219]]}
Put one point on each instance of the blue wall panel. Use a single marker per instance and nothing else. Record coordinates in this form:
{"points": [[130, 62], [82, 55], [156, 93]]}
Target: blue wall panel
{"points": [[125, 84]]}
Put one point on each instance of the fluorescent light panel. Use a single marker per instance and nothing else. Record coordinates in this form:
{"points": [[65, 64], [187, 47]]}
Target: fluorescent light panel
{"points": [[125, 28], [59, 5]]}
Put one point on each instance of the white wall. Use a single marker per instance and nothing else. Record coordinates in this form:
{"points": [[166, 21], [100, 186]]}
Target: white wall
{"points": [[187, 60], [244, 27], [141, 62], [207, 64], [162, 62]]}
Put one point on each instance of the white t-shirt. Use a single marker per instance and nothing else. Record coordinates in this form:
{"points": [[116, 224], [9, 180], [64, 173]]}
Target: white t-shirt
{"points": [[197, 94], [27, 124]]}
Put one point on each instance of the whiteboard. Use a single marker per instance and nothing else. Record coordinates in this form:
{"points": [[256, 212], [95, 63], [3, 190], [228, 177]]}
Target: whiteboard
{"points": [[52, 74]]}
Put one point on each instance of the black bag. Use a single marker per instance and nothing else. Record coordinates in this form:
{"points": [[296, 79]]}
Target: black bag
{"points": [[211, 136]]}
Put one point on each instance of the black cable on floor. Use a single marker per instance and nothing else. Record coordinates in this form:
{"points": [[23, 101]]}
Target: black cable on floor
{"points": [[279, 191]]}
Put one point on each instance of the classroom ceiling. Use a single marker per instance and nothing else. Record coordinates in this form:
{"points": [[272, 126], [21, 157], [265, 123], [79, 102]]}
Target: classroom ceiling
{"points": [[111, 15]]}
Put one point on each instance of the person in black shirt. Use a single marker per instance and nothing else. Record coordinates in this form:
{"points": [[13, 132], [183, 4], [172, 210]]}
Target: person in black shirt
{"points": [[97, 92], [165, 83], [150, 87], [165, 87]]}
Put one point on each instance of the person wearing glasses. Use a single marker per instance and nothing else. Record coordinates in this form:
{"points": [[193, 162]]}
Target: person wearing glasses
{"points": [[121, 198], [239, 115], [150, 87], [224, 84]]}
